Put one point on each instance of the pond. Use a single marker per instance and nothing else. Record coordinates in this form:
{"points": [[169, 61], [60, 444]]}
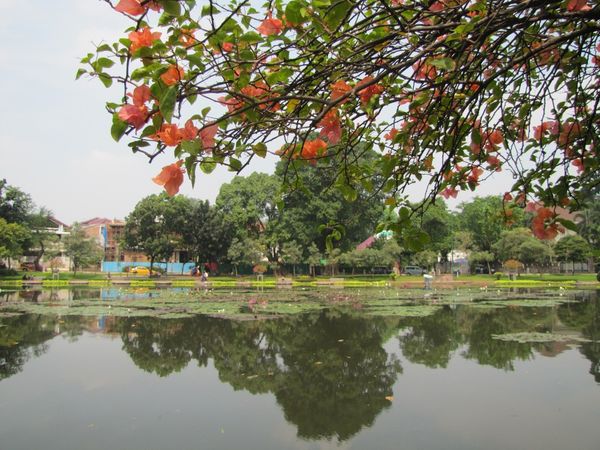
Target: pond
{"points": [[299, 369]]}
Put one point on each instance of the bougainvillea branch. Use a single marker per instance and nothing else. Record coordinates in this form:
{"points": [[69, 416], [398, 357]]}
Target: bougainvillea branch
{"points": [[445, 92]]}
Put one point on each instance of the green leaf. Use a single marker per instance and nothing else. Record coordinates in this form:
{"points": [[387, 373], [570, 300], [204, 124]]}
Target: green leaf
{"points": [[293, 12], [337, 13], [103, 48], [106, 79], [167, 102], [207, 166], [251, 37], [171, 7], [104, 63], [79, 73], [192, 147], [260, 150], [117, 130], [190, 167], [208, 10], [443, 63], [235, 165], [348, 192], [568, 224]]}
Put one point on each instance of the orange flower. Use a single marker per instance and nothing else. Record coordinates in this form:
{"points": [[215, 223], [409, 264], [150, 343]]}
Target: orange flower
{"points": [[189, 132], [369, 91], [331, 127], [232, 104], [424, 71], [141, 95], [135, 115], [131, 7], [142, 38], [134, 7], [578, 164], [496, 137], [473, 178], [207, 135], [568, 133], [494, 163], [187, 37], [339, 89], [173, 75], [391, 135], [312, 149], [270, 26], [171, 177], [578, 5], [260, 91], [449, 192], [543, 224], [541, 130], [169, 135]]}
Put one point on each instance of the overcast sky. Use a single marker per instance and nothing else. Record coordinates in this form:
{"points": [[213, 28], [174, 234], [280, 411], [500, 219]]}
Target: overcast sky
{"points": [[55, 139]]}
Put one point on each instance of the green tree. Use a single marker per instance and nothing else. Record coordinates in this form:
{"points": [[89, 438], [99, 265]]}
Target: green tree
{"points": [[509, 244], [15, 205], [154, 226], [440, 225], [572, 249], [589, 223], [83, 250], [535, 252], [484, 219], [486, 258], [292, 254], [314, 210], [13, 238], [249, 205], [41, 238], [425, 259], [244, 251], [205, 233], [313, 258]]}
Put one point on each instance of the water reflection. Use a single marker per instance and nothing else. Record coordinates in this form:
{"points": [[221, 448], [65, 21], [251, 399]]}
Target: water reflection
{"points": [[329, 371]]}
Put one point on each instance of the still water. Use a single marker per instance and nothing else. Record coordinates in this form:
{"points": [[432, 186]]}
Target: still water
{"points": [[332, 378]]}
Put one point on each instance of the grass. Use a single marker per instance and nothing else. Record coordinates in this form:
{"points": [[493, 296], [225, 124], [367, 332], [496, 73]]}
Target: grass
{"points": [[99, 279]]}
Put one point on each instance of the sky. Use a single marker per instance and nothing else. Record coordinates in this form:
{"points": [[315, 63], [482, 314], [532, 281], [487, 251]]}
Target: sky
{"points": [[55, 141]]}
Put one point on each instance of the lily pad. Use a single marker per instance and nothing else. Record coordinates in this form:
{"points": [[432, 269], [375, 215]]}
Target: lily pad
{"points": [[528, 337]]}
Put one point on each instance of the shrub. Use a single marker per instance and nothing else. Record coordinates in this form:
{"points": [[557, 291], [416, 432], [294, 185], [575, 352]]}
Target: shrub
{"points": [[8, 272]]}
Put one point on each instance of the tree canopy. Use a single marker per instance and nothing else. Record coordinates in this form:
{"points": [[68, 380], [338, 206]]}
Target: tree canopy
{"points": [[447, 92]]}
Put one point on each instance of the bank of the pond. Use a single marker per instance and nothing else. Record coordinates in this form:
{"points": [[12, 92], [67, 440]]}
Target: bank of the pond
{"points": [[402, 282]]}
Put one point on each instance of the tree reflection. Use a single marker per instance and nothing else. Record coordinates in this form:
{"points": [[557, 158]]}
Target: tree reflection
{"points": [[585, 316], [430, 340], [328, 371], [21, 338]]}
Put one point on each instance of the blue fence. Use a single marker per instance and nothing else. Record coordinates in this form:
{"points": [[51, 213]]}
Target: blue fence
{"points": [[119, 266]]}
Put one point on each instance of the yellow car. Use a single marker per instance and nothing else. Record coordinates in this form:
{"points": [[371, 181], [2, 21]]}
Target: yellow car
{"points": [[140, 270]]}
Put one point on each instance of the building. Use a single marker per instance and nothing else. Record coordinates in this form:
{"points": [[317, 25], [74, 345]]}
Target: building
{"points": [[109, 235]]}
